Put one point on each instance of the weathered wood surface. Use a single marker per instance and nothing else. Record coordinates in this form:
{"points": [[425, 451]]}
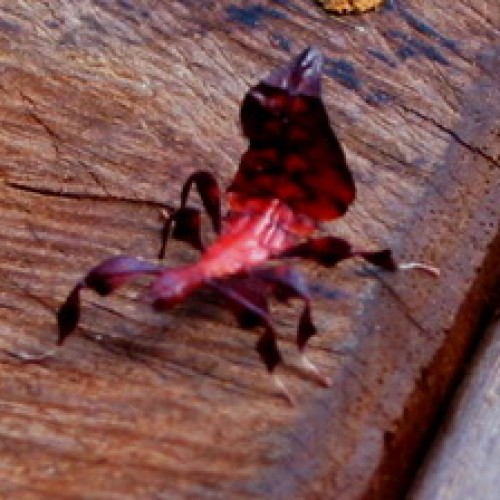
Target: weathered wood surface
{"points": [[464, 460], [107, 106]]}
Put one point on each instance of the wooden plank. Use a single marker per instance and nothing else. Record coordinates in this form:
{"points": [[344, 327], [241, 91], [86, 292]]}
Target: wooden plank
{"points": [[465, 458], [107, 108]]}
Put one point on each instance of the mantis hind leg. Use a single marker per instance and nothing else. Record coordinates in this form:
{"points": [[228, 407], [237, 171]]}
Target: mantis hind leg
{"points": [[286, 283], [186, 221], [102, 279], [249, 304], [246, 297]]}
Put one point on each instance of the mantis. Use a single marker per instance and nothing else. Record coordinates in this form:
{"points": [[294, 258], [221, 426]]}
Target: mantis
{"points": [[292, 177]]}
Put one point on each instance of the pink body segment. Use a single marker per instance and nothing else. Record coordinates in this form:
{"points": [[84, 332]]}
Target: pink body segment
{"points": [[251, 238]]}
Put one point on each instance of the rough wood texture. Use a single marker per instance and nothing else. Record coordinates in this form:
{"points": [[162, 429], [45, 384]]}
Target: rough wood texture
{"points": [[107, 106], [464, 460]]}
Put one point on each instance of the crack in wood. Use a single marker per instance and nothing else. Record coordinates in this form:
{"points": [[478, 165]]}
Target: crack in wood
{"points": [[451, 133], [95, 177], [404, 307], [54, 136], [72, 195]]}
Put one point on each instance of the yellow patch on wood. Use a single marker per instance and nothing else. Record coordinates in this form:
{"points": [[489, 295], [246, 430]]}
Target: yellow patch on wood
{"points": [[350, 6]]}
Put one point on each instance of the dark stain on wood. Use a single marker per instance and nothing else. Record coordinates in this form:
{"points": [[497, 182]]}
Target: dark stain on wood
{"points": [[382, 56], [378, 97], [425, 28], [407, 46], [343, 72], [252, 16]]}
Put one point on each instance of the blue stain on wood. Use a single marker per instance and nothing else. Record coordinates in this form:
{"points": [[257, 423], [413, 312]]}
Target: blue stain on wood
{"points": [[378, 97], [426, 29], [381, 56], [252, 16], [9, 28], [343, 72], [132, 9], [410, 46]]}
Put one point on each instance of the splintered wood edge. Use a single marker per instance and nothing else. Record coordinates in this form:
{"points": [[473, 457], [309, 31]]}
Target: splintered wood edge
{"points": [[464, 459], [424, 409]]}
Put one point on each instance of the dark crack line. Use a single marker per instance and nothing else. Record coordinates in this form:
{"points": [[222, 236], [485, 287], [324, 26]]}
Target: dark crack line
{"points": [[55, 137], [43, 191], [486, 20], [404, 307], [383, 152], [454, 135], [95, 177]]}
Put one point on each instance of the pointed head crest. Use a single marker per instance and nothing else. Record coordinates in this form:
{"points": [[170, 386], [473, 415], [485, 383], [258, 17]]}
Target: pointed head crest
{"points": [[301, 76]]}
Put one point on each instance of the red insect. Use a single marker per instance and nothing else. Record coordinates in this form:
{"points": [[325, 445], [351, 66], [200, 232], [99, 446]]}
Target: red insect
{"points": [[293, 176]]}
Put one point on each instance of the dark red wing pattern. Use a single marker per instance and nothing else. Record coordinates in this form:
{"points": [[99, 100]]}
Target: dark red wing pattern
{"points": [[293, 154]]}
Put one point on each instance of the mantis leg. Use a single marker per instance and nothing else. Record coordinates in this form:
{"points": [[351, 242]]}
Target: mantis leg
{"points": [[248, 302], [286, 283], [102, 279], [187, 220], [330, 250]]}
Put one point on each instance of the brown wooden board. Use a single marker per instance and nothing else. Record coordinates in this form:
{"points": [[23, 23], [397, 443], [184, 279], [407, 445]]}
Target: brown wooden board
{"points": [[464, 459], [107, 106]]}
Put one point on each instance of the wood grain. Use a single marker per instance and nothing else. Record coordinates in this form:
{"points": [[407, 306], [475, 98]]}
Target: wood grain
{"points": [[464, 460], [107, 106]]}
